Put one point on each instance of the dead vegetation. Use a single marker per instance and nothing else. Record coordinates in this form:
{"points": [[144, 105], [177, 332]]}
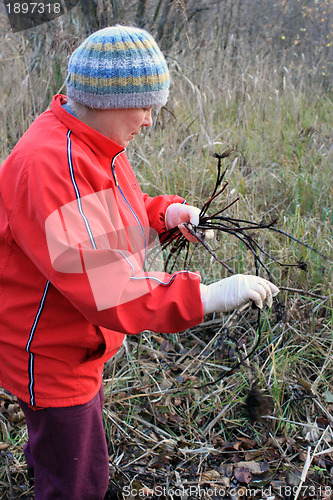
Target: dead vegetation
{"points": [[175, 428], [173, 431]]}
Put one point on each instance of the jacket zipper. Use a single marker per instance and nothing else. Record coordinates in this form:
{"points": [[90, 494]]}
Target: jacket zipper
{"points": [[127, 202]]}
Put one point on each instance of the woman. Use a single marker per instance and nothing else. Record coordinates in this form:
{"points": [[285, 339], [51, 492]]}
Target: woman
{"points": [[75, 233]]}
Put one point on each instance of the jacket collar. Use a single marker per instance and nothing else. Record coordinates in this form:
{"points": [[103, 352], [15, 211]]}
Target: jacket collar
{"points": [[101, 145]]}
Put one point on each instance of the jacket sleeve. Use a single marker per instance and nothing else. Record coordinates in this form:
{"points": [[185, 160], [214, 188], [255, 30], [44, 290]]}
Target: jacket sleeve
{"points": [[86, 257], [156, 208]]}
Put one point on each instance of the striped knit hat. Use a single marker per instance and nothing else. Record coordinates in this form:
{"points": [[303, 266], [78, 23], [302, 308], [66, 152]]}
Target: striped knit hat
{"points": [[118, 67]]}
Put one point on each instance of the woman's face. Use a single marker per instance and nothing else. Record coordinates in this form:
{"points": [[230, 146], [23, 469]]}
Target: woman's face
{"points": [[119, 125]]}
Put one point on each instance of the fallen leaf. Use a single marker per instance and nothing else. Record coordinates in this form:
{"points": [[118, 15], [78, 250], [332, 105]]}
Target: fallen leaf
{"points": [[160, 462], [175, 419], [254, 467], [167, 346], [161, 417], [328, 397], [252, 454], [15, 413], [243, 474], [166, 384], [158, 339], [293, 478], [209, 476]]}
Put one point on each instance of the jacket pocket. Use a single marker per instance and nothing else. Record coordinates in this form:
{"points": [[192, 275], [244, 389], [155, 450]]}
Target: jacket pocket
{"points": [[107, 344]]}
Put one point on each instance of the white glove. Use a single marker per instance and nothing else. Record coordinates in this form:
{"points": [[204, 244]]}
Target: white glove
{"points": [[177, 214], [230, 293]]}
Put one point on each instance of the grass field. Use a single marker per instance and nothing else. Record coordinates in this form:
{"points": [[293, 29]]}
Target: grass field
{"points": [[165, 425]]}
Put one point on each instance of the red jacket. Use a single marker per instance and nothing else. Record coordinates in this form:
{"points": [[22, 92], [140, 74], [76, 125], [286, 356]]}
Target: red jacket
{"points": [[74, 242]]}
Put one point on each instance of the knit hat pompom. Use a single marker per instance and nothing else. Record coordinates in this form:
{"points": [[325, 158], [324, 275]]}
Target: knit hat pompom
{"points": [[118, 67]]}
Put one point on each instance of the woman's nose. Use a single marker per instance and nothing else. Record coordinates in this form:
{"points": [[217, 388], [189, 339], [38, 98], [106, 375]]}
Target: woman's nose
{"points": [[148, 119]]}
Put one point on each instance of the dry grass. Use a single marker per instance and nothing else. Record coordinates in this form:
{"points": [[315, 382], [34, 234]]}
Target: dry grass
{"points": [[163, 425]]}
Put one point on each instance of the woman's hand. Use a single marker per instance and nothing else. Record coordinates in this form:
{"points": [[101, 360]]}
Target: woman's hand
{"points": [[230, 293], [178, 214]]}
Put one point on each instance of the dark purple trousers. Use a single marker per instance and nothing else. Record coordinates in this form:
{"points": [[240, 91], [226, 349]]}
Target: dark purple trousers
{"points": [[67, 450]]}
